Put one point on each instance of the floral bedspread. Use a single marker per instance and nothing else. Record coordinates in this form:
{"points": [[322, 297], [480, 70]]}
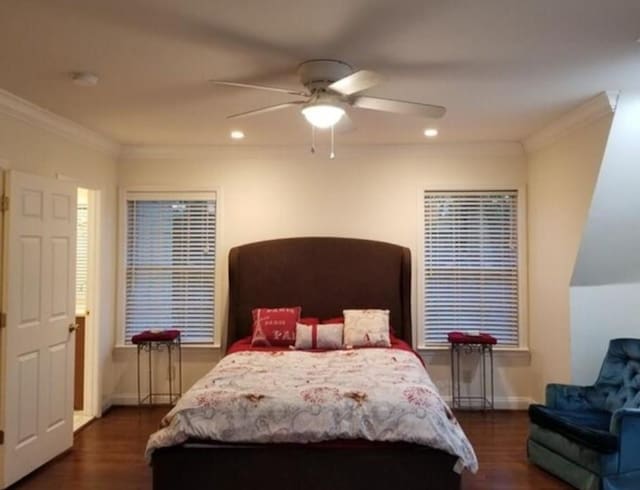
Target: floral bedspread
{"points": [[301, 397]]}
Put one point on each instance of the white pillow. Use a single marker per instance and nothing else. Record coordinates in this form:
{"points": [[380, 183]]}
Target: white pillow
{"points": [[366, 328], [328, 336]]}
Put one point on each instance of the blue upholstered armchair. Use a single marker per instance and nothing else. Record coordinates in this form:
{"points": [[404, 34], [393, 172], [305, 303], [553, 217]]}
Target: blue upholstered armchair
{"points": [[590, 436]]}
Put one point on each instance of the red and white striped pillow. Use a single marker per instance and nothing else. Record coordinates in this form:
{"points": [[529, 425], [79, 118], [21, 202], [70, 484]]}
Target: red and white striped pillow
{"points": [[323, 336]]}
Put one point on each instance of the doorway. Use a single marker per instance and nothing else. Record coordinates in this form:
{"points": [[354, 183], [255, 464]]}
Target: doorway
{"points": [[85, 385]]}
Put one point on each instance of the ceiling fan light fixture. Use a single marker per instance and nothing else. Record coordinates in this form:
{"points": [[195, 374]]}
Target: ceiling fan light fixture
{"points": [[323, 116]]}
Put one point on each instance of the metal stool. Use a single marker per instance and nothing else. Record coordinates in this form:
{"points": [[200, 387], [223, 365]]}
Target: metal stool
{"points": [[150, 341], [467, 344]]}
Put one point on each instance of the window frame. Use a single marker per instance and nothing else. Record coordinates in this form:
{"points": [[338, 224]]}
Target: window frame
{"points": [[523, 311], [168, 193]]}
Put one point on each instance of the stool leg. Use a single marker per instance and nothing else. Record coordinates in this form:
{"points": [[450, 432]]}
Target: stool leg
{"points": [[180, 363], [492, 386], [138, 360], [484, 378], [458, 374], [453, 383], [150, 376], [169, 347]]}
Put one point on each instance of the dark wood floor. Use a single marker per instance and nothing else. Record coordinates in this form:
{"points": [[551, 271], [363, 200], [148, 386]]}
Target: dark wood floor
{"points": [[108, 454]]}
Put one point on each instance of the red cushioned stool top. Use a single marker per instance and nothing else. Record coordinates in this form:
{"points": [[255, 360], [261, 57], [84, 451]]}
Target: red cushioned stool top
{"points": [[155, 336], [463, 338]]}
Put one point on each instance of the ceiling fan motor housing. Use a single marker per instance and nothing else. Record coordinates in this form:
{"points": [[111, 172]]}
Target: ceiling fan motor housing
{"points": [[319, 74]]}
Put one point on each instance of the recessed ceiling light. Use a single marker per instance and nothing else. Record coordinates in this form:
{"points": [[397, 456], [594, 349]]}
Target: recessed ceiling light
{"points": [[84, 78], [237, 135], [431, 132]]}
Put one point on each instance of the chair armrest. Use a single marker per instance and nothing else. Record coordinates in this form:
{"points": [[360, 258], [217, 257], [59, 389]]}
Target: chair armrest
{"points": [[625, 423], [567, 397]]}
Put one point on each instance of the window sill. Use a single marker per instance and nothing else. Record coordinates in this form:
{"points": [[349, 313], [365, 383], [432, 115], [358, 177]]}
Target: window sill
{"points": [[496, 350], [184, 346]]}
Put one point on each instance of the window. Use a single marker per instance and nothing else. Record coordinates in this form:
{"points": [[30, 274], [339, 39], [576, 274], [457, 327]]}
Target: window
{"points": [[82, 252], [471, 265], [170, 264]]}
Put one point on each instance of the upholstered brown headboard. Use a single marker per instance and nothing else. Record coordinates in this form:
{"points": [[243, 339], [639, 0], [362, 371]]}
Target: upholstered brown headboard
{"points": [[323, 275]]}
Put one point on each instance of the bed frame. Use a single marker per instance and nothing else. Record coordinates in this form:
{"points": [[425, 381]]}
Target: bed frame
{"points": [[324, 276]]}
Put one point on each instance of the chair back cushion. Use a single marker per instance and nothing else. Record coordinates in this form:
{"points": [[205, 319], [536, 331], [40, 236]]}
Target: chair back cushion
{"points": [[618, 384]]}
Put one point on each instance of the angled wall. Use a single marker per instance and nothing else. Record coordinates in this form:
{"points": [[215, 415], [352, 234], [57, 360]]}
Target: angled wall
{"points": [[605, 292]]}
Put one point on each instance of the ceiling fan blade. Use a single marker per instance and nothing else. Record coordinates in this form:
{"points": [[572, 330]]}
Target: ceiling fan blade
{"points": [[268, 108], [356, 82], [260, 87], [399, 107]]}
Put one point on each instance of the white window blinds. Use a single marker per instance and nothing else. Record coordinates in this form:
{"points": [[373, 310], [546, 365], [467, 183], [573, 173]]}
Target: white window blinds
{"points": [[82, 258], [170, 267], [471, 264]]}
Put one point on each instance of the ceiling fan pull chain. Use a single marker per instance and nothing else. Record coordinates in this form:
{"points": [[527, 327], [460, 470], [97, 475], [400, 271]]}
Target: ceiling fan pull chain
{"points": [[313, 140], [332, 155]]}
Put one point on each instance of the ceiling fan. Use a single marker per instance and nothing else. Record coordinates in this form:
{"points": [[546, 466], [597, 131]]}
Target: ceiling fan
{"points": [[330, 87]]}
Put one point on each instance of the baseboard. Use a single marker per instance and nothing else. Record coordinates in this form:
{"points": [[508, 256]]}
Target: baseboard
{"points": [[501, 403], [106, 406], [507, 402], [129, 399]]}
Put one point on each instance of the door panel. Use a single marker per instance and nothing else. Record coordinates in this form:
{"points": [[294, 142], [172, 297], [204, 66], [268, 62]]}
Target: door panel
{"points": [[60, 276], [56, 380], [30, 280], [78, 377], [39, 299], [28, 370]]}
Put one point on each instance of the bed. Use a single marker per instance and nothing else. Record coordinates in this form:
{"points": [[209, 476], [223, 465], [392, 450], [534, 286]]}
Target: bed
{"points": [[323, 275]]}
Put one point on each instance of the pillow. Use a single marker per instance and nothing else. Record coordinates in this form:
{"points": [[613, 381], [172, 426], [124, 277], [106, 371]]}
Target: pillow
{"points": [[323, 336], [340, 319], [275, 326], [366, 328]]}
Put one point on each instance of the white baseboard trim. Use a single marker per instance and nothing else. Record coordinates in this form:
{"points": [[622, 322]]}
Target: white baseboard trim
{"points": [[507, 402], [130, 399], [501, 403], [106, 405]]}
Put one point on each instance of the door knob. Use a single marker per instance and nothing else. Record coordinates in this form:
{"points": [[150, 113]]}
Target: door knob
{"points": [[73, 327]]}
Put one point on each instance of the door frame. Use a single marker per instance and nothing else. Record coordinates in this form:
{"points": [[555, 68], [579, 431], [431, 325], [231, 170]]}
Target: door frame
{"points": [[92, 380], [92, 402], [4, 167]]}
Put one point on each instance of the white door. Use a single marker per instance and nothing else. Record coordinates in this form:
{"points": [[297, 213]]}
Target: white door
{"points": [[38, 340]]}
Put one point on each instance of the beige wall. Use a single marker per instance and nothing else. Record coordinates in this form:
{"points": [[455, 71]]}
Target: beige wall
{"points": [[27, 148], [561, 179], [367, 192]]}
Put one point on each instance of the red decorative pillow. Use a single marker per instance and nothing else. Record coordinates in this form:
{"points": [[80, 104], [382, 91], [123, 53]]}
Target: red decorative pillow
{"points": [[275, 326]]}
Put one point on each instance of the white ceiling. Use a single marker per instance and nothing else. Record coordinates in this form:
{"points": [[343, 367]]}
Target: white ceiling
{"points": [[503, 68]]}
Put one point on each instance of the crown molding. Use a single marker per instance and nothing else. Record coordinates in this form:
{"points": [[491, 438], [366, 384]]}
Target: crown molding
{"points": [[207, 152], [25, 111], [593, 109]]}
